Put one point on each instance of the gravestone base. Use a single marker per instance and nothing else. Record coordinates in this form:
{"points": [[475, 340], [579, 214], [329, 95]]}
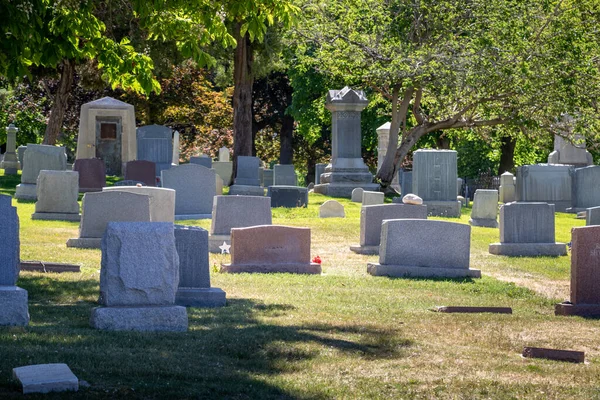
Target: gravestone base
{"points": [[84, 243], [401, 271], [140, 319], [200, 297], [288, 196], [246, 190], [56, 216], [484, 222], [311, 268], [343, 189], [10, 171], [26, 191], [581, 310], [192, 216], [214, 241], [528, 249], [367, 250], [449, 209], [14, 310]]}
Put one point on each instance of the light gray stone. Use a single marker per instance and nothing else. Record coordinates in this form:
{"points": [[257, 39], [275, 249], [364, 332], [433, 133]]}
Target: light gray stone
{"points": [[592, 216], [218, 184], [372, 198], [175, 157], [527, 229], [566, 152], [463, 201], [162, 200], [140, 319], [10, 162], [247, 171], [319, 169], [21, 155], [224, 169], [485, 208], [586, 188], [9, 242], [46, 378], [371, 218], [331, 209], [140, 265], [14, 310], [357, 195], [155, 143], [411, 198], [39, 157], [224, 154], [284, 175], [57, 192], [424, 248], [507, 188], [195, 188], [268, 178], [545, 183], [434, 180]]}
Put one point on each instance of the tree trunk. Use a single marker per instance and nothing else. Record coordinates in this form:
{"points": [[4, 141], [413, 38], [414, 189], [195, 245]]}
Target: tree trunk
{"points": [[61, 99], [507, 154], [286, 150], [242, 96]]}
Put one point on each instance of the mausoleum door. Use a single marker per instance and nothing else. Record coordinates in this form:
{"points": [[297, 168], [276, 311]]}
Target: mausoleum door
{"points": [[108, 144]]}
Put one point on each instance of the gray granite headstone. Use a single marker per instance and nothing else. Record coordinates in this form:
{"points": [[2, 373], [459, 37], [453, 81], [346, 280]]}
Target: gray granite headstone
{"points": [[224, 154], [268, 178], [21, 154], [319, 169], [357, 195], [284, 175], [332, 209], [546, 183], [9, 242], [155, 143], [239, 212], [406, 182], [288, 196], [371, 198], [195, 187], [485, 208], [57, 193], [202, 160], [507, 188], [592, 216], [39, 157], [247, 171], [162, 200], [434, 180], [586, 188], [45, 378]]}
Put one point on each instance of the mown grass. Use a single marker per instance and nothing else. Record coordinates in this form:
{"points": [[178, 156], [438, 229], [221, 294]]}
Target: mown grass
{"points": [[343, 334]]}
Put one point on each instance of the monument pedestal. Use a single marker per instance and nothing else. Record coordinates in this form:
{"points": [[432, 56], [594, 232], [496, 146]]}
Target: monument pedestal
{"points": [[200, 297], [10, 163], [341, 178], [400, 271], [140, 319], [14, 310], [26, 191], [528, 249], [582, 310], [292, 268]]}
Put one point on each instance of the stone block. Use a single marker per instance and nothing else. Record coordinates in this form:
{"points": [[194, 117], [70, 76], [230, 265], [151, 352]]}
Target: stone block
{"points": [[200, 297], [545, 183], [288, 196], [246, 190], [371, 218], [592, 216], [284, 175], [586, 188], [9, 242], [46, 378], [507, 187], [572, 152], [435, 175], [57, 192], [372, 198], [161, 200], [332, 209], [224, 170], [247, 171], [195, 188], [268, 178], [21, 155], [271, 248], [485, 208], [14, 310], [424, 248], [357, 195], [319, 169], [406, 182], [92, 174], [142, 171], [448, 209], [204, 161], [192, 247], [224, 154], [155, 143], [39, 157], [140, 319]]}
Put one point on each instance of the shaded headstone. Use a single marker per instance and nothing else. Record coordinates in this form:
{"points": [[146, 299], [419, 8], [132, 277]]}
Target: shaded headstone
{"points": [[434, 180], [585, 274], [371, 218], [332, 209], [406, 182], [13, 300], [527, 229], [92, 174], [236, 212], [271, 248], [39, 157], [507, 188], [155, 143], [10, 162], [247, 180], [100, 208], [347, 169], [138, 279], [284, 175], [592, 216], [224, 169], [424, 248], [268, 178], [162, 200], [357, 195], [46, 378], [545, 183], [485, 208], [194, 272], [371, 198], [203, 160], [195, 188], [319, 169], [21, 154], [288, 196], [142, 171], [57, 193], [586, 188]]}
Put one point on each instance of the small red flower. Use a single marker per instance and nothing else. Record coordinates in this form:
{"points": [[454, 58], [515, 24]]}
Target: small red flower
{"points": [[317, 260]]}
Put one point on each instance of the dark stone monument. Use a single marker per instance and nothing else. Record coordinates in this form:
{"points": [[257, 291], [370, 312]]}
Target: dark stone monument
{"points": [[92, 174], [288, 196], [141, 170]]}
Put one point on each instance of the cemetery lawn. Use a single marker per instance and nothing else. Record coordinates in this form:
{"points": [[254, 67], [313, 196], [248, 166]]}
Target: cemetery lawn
{"points": [[344, 334]]}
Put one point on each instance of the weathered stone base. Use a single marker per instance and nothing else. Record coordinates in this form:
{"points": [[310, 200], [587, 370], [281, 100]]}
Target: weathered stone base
{"points": [[368, 250], [312, 268], [582, 310], [26, 191], [200, 297], [528, 249], [10, 171], [214, 241], [246, 190], [377, 269], [343, 189], [14, 310], [484, 222], [181, 217], [141, 319], [46, 378], [84, 243], [56, 216], [450, 209]]}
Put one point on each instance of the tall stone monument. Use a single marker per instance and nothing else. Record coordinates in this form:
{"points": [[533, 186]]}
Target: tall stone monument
{"points": [[10, 163], [434, 180], [347, 169]]}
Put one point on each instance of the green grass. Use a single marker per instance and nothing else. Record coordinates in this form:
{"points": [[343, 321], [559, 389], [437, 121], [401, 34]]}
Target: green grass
{"points": [[344, 334]]}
